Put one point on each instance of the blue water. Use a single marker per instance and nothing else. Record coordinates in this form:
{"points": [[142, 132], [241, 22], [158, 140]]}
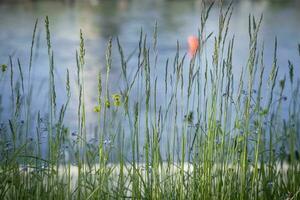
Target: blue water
{"points": [[101, 20]]}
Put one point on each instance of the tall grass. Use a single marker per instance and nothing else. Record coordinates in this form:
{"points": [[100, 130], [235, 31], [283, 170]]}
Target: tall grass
{"points": [[198, 131]]}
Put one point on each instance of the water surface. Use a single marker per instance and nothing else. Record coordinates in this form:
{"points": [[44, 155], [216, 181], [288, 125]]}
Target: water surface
{"points": [[101, 20]]}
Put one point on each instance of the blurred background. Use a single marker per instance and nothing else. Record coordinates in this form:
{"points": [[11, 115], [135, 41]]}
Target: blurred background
{"points": [[102, 19]]}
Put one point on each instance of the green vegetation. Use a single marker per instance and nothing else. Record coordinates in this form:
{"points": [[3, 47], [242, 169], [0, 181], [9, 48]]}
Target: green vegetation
{"points": [[215, 134]]}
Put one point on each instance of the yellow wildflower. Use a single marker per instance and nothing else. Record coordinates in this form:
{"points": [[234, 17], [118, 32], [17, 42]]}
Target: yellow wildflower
{"points": [[107, 103], [117, 99], [3, 67], [97, 108]]}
